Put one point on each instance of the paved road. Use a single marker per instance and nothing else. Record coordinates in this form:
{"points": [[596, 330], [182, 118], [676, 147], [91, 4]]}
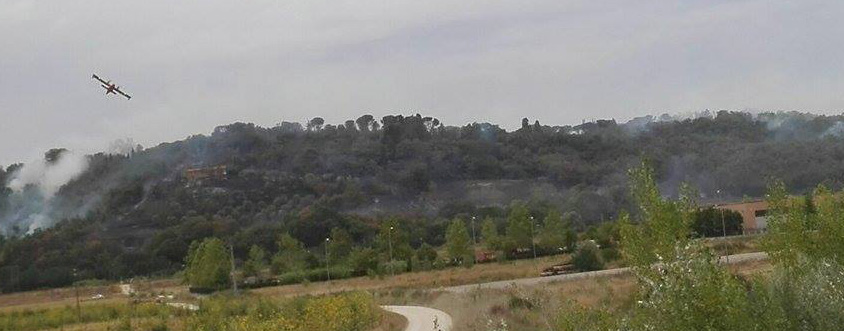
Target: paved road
{"points": [[731, 259], [422, 318]]}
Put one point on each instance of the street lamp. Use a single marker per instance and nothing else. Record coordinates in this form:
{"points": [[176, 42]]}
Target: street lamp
{"points": [[533, 244], [327, 263], [473, 231], [76, 289], [390, 245], [723, 225]]}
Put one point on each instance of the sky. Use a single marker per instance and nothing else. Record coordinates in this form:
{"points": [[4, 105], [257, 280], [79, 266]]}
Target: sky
{"points": [[192, 65]]}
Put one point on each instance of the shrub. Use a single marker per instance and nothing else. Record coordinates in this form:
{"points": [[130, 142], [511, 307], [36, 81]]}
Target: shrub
{"points": [[587, 257]]}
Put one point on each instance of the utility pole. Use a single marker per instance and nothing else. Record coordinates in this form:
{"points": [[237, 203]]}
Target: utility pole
{"points": [[390, 243], [234, 279], [327, 263]]}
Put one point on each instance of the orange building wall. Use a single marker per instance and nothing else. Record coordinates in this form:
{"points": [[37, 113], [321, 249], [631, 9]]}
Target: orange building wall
{"points": [[748, 213]]}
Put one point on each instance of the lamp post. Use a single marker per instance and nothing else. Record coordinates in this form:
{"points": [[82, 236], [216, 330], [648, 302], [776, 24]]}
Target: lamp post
{"points": [[723, 225], [473, 231], [327, 263], [533, 244], [233, 275], [76, 289], [390, 245]]}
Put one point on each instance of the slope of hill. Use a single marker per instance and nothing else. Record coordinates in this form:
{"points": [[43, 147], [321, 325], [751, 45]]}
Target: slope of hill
{"points": [[137, 213]]}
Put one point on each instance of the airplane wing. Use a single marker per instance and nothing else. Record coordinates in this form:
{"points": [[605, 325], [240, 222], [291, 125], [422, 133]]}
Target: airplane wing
{"points": [[123, 94], [99, 79]]}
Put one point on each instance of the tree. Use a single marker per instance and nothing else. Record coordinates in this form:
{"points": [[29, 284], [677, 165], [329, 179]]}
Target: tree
{"points": [[555, 232], [458, 242], [587, 257], [291, 255], [257, 261], [426, 253], [489, 235], [350, 126], [392, 241], [363, 260], [711, 222], [208, 264], [315, 124], [365, 123], [339, 246], [519, 230], [663, 225]]}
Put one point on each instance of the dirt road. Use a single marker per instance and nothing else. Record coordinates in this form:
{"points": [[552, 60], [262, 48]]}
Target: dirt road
{"points": [[422, 318], [731, 259]]}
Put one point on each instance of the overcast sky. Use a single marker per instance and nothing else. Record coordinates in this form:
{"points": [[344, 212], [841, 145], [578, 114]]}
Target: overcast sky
{"points": [[193, 65]]}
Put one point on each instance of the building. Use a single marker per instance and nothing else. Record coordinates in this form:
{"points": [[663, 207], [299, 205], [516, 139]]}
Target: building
{"points": [[197, 174], [754, 214]]}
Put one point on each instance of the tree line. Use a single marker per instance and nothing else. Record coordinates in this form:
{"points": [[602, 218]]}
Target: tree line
{"points": [[136, 214]]}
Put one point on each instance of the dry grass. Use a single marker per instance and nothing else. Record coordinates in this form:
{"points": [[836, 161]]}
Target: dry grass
{"points": [[478, 309], [53, 298], [426, 279], [391, 322]]}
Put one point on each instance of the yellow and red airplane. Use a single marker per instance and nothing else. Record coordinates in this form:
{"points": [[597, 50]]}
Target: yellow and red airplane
{"points": [[111, 87]]}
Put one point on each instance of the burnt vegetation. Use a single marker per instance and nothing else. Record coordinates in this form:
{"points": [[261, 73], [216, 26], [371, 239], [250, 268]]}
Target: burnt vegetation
{"points": [[137, 214]]}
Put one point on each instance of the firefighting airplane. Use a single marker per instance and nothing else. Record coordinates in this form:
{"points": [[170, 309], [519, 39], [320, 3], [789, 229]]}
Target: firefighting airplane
{"points": [[111, 87]]}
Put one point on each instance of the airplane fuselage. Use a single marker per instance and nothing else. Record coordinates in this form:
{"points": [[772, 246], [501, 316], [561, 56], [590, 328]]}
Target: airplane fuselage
{"points": [[110, 87]]}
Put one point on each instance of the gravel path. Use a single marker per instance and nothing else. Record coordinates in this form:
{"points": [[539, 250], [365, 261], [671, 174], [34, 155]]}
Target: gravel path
{"points": [[731, 259], [422, 318]]}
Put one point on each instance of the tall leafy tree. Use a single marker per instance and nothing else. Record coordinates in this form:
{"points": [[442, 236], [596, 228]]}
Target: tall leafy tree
{"points": [[392, 239], [208, 264], [458, 242], [663, 225], [519, 230], [489, 235], [555, 232], [291, 255], [257, 261], [339, 245]]}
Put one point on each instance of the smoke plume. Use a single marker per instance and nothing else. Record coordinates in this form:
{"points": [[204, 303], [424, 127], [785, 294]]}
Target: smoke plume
{"points": [[34, 185]]}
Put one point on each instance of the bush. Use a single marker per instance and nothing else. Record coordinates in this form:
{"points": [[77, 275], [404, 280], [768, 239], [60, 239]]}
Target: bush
{"points": [[610, 254], [587, 257], [353, 311], [396, 267], [316, 275]]}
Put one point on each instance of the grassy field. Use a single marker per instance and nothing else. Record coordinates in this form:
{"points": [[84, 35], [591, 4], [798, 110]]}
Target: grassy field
{"points": [[478, 310], [531, 307]]}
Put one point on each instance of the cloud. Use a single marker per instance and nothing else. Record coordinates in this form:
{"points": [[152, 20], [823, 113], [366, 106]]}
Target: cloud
{"points": [[193, 65]]}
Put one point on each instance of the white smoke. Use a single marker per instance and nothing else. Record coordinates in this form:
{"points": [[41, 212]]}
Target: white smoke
{"points": [[125, 146], [49, 177], [836, 130], [28, 211]]}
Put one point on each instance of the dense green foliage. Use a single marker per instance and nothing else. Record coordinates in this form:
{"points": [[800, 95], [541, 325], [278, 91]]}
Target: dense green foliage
{"points": [[352, 311], [55, 318], [556, 235], [682, 286], [257, 261], [208, 264], [712, 222], [587, 257], [458, 244], [136, 214]]}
